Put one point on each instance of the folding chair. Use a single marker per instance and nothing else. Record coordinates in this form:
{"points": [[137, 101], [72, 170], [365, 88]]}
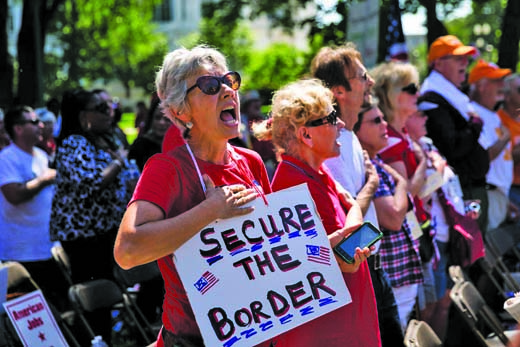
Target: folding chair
{"points": [[420, 334], [474, 309], [501, 241], [456, 274], [97, 294], [128, 279], [103, 293], [19, 283]]}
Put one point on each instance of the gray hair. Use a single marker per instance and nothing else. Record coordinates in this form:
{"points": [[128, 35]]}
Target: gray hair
{"points": [[180, 65], [508, 80]]}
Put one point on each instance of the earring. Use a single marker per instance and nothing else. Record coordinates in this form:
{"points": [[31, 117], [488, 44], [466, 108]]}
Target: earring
{"points": [[189, 125]]}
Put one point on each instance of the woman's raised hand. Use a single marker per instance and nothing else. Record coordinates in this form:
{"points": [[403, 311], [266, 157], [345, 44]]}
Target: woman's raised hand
{"points": [[229, 200]]}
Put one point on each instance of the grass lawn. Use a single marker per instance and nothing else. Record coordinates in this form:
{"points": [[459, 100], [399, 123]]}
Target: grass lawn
{"points": [[127, 124]]}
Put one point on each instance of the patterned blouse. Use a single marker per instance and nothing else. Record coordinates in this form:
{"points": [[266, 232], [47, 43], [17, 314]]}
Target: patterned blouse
{"points": [[80, 207], [399, 251]]}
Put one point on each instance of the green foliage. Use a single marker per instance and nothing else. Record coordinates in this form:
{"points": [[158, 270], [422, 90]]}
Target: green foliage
{"points": [[481, 28], [274, 67], [109, 39]]}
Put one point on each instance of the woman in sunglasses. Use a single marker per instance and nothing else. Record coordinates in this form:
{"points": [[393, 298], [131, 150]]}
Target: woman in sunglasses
{"points": [[397, 89], [398, 251], [192, 184], [91, 193], [304, 127]]}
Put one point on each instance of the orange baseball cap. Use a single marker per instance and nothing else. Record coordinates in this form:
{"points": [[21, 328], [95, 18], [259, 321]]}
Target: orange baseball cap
{"points": [[448, 45], [483, 69]]}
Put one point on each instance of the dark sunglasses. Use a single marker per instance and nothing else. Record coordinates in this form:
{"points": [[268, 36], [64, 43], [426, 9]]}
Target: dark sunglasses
{"points": [[331, 118], [377, 120], [101, 108], [32, 121], [363, 77], [411, 89], [210, 85]]}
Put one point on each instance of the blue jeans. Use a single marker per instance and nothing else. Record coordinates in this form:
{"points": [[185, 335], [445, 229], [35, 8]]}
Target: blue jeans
{"points": [[442, 279]]}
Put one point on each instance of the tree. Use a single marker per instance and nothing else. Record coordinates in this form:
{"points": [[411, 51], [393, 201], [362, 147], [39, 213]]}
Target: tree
{"points": [[107, 40], [92, 40], [508, 47], [31, 40], [6, 63]]}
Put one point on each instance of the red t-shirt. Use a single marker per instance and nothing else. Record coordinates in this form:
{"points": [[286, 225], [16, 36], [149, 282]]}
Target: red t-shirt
{"points": [[170, 181], [355, 324]]}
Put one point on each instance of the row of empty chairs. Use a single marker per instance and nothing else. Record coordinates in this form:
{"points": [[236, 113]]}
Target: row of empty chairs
{"points": [[85, 297]]}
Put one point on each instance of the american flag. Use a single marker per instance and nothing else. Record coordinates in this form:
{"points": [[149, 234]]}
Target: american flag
{"points": [[318, 254], [395, 41], [205, 282]]}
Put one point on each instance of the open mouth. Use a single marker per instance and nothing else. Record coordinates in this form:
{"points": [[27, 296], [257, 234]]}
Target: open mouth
{"points": [[228, 116]]}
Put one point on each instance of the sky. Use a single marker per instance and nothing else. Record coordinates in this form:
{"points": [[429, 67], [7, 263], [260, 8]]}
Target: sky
{"points": [[414, 24]]}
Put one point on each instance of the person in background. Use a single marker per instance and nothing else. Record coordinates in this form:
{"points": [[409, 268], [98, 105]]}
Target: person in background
{"points": [[93, 187], [26, 192], [396, 87], [454, 126], [4, 137], [48, 144], [150, 140], [399, 250], [54, 105], [251, 113], [341, 69], [486, 82], [508, 113], [436, 315], [304, 127], [207, 178], [115, 134], [141, 114]]}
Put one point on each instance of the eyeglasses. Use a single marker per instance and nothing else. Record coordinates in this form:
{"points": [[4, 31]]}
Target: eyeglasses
{"points": [[363, 77], [210, 85], [377, 120], [411, 89], [331, 118], [102, 107], [31, 121]]}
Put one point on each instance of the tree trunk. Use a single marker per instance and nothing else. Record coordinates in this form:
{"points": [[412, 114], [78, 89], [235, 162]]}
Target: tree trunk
{"points": [[508, 45], [433, 24], [6, 62], [30, 55]]}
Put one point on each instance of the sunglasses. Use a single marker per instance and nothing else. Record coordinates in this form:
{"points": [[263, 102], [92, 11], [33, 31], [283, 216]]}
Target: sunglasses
{"points": [[31, 121], [411, 89], [210, 85], [102, 107], [331, 118], [363, 77], [377, 120]]}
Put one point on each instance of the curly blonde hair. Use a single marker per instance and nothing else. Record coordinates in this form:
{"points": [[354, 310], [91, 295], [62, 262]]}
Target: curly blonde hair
{"points": [[292, 107]]}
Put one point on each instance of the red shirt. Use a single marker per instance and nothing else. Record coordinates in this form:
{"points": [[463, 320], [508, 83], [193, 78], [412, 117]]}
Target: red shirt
{"points": [[355, 324], [170, 181]]}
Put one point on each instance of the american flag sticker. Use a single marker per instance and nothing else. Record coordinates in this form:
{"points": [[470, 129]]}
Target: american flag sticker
{"points": [[205, 282], [318, 254]]}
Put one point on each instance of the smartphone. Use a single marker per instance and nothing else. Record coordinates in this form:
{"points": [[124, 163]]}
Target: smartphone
{"points": [[364, 236]]}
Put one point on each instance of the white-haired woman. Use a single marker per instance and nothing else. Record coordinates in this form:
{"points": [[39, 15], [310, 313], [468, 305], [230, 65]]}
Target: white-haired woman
{"points": [[193, 183]]}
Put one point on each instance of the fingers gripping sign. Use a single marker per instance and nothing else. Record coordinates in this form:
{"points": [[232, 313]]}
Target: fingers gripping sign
{"points": [[230, 200]]}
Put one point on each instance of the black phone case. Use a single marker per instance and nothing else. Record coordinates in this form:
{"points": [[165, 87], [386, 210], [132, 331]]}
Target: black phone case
{"points": [[340, 248]]}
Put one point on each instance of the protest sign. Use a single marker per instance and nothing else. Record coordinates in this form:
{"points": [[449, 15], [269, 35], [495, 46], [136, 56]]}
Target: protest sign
{"points": [[253, 277], [34, 322]]}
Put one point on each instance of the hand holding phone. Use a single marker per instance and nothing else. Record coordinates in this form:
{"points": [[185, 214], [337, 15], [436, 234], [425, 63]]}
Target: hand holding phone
{"points": [[364, 236]]}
